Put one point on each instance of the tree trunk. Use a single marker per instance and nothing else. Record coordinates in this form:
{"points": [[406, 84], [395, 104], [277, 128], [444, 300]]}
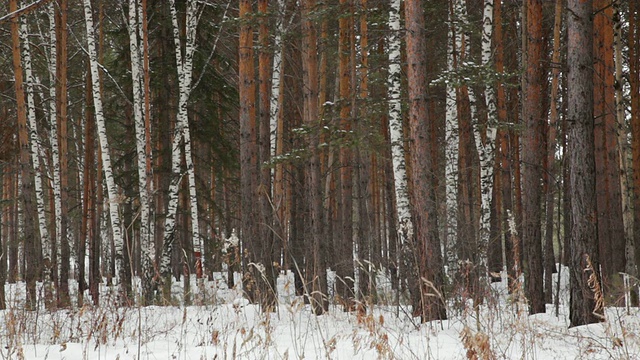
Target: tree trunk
{"points": [[427, 293], [44, 245], [623, 142], [404, 223], [532, 159], [26, 193], [485, 141], [552, 185], [316, 277], [182, 137], [61, 261], [114, 198], [249, 172], [634, 82], [137, 78], [344, 241], [584, 251], [452, 138], [608, 196]]}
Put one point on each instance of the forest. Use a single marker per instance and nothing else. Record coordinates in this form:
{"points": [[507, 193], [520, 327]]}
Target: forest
{"points": [[445, 145]]}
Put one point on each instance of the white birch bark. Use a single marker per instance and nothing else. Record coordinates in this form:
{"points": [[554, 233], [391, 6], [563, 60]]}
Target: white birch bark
{"points": [[275, 78], [405, 228], [146, 241], [486, 148], [452, 139], [33, 139], [53, 123], [112, 192], [181, 133]]}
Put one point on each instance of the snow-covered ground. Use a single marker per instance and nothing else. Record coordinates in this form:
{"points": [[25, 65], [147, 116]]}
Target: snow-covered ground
{"points": [[227, 327]]}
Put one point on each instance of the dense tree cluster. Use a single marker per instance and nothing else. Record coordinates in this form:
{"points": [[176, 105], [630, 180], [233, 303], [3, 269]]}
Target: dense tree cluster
{"points": [[443, 144]]}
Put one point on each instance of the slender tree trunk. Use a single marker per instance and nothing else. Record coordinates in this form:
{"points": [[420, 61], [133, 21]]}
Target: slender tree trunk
{"points": [[532, 159], [90, 223], [4, 228], [61, 262], [249, 172], [44, 245], [181, 137], [316, 277], [404, 225], [268, 252], [452, 138], [344, 240], [26, 193], [554, 117], [623, 143], [634, 82], [485, 138], [50, 265], [277, 131], [584, 262], [138, 74], [114, 198]]}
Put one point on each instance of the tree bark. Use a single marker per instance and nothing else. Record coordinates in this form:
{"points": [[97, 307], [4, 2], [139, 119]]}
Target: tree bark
{"points": [[26, 193], [427, 299], [113, 196], [532, 159], [634, 82], [316, 277], [584, 250]]}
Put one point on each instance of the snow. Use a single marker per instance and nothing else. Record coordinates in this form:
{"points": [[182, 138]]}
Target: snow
{"points": [[226, 326]]}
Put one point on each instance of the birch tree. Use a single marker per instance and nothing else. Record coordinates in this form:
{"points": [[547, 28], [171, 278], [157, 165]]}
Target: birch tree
{"points": [[25, 194], [486, 144], [53, 140], [34, 139], [146, 240], [112, 191], [181, 136], [405, 225], [452, 135], [62, 247]]}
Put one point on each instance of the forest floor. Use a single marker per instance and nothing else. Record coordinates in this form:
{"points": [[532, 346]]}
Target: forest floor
{"points": [[227, 327]]}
